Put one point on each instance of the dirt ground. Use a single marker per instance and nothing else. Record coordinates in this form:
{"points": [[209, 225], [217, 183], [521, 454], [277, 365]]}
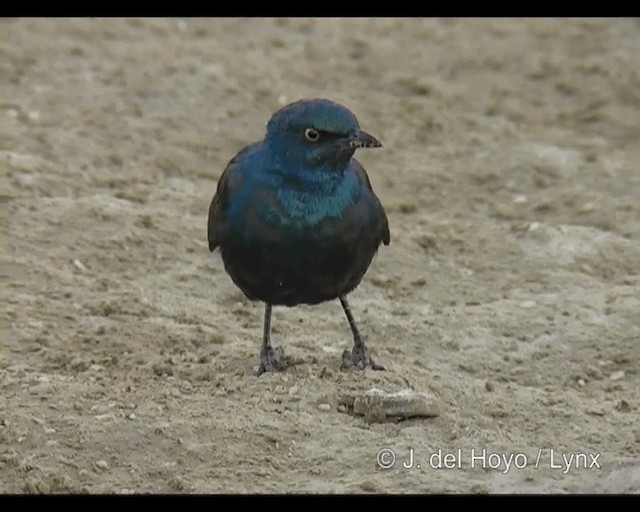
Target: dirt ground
{"points": [[510, 291]]}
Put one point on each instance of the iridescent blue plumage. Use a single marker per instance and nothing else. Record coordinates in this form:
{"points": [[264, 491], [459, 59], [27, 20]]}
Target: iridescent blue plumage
{"points": [[295, 217]]}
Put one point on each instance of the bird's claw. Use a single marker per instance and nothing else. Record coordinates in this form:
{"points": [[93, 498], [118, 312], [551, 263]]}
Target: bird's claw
{"points": [[359, 355], [272, 360]]}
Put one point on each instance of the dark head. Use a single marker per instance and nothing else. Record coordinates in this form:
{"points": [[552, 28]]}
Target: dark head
{"points": [[317, 133]]}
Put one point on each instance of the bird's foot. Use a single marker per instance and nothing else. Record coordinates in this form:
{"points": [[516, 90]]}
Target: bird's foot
{"points": [[359, 355], [272, 360]]}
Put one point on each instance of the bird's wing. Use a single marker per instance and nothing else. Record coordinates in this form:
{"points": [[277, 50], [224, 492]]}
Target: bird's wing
{"points": [[217, 224], [230, 180], [386, 236]]}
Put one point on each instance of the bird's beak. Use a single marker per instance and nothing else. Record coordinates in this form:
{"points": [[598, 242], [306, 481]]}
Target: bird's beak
{"points": [[361, 139]]}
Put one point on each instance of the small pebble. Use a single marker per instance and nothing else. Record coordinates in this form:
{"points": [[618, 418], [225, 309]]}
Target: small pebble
{"points": [[324, 407], [405, 404], [102, 464], [79, 265], [368, 486], [623, 406]]}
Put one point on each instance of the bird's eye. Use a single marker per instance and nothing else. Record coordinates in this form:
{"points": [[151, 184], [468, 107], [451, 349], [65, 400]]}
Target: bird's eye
{"points": [[311, 135]]}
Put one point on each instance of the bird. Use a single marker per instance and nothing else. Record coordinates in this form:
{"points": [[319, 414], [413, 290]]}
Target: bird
{"points": [[296, 220]]}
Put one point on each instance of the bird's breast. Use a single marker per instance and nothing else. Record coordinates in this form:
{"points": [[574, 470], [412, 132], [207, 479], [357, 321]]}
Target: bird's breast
{"points": [[298, 203], [303, 208]]}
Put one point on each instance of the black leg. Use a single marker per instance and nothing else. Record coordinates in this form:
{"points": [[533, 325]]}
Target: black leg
{"points": [[359, 354], [266, 327], [271, 359]]}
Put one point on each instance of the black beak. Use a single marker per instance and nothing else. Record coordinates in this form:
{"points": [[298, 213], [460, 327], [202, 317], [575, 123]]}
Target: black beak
{"points": [[361, 139]]}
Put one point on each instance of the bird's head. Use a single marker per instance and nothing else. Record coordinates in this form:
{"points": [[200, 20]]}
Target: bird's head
{"points": [[316, 133]]}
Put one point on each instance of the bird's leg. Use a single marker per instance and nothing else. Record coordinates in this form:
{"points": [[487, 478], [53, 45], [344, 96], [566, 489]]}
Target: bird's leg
{"points": [[359, 354], [271, 359]]}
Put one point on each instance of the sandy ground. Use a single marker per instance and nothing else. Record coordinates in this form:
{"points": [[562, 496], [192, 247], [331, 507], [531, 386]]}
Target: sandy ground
{"points": [[510, 291]]}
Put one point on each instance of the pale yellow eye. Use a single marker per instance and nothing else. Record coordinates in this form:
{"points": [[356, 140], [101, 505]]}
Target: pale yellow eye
{"points": [[311, 135]]}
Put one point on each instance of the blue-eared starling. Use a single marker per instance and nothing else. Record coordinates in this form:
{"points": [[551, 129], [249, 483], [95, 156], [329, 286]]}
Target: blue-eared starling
{"points": [[296, 219]]}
